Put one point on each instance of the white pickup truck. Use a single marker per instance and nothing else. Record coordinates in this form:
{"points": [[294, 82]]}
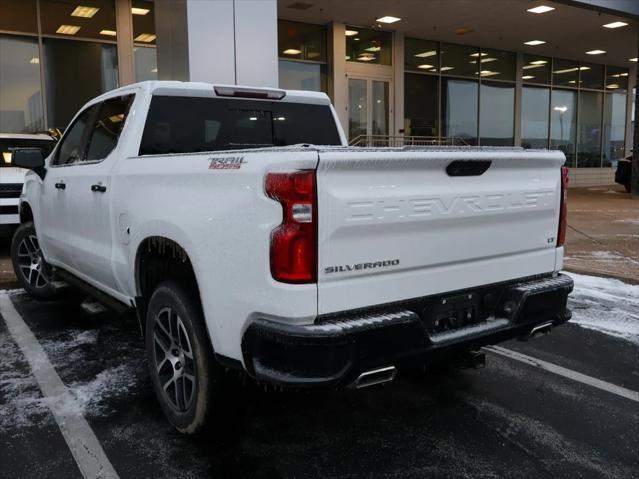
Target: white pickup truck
{"points": [[246, 234]]}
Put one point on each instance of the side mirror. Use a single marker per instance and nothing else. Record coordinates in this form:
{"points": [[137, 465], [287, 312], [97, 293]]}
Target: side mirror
{"points": [[29, 158]]}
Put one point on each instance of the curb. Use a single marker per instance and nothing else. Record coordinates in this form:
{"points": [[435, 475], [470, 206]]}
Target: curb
{"points": [[602, 273]]}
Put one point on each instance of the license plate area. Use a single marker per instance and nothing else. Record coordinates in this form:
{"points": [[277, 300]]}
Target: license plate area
{"points": [[454, 312]]}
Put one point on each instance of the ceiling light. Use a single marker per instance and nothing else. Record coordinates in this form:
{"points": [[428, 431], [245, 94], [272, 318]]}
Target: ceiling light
{"points": [[584, 68], [562, 109], [366, 57], [68, 29], [110, 33], [623, 74], [445, 69], [429, 53], [615, 25], [596, 52], [6, 156], [541, 9], [373, 49], [488, 60], [387, 19], [292, 51], [573, 81], [612, 86], [528, 77], [488, 73], [147, 38], [534, 42], [34, 60], [348, 57], [539, 62], [351, 33], [356, 39], [425, 67], [529, 67], [84, 12], [139, 11], [567, 70], [475, 55], [633, 59]]}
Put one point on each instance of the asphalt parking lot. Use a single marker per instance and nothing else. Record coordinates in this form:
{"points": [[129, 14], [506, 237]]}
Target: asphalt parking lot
{"points": [[511, 419]]}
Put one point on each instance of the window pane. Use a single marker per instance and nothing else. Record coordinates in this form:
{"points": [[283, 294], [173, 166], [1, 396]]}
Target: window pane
{"points": [[301, 41], [614, 128], [190, 124], [66, 90], [143, 16], [108, 126], [590, 111], [591, 76], [62, 17], [302, 76], [421, 55], [563, 123], [534, 117], [380, 107], [72, 144], [565, 72], [459, 60], [498, 65], [536, 69], [497, 114], [18, 16], [146, 65], [20, 90], [459, 109], [357, 108], [420, 105], [368, 46], [616, 78]]}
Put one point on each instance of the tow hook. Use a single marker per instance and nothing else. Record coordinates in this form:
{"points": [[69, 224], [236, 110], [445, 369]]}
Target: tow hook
{"points": [[471, 360]]}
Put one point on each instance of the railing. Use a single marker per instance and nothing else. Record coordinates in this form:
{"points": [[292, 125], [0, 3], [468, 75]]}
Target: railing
{"points": [[401, 140]]}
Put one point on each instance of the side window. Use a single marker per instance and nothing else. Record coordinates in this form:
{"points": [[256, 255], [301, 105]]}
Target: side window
{"points": [[72, 146], [107, 128]]}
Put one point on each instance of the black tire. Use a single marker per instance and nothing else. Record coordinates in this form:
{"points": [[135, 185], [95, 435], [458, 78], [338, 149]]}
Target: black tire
{"points": [[175, 325], [32, 271]]}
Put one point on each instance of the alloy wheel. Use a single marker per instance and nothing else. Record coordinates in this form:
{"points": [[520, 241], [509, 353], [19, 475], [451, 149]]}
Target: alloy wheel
{"points": [[31, 262]]}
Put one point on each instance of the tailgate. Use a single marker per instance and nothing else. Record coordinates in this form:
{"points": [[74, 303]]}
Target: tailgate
{"points": [[395, 225]]}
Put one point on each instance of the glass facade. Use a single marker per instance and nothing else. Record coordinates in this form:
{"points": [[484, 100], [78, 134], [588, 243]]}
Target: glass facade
{"points": [[614, 128], [459, 108], [563, 123], [302, 51], [535, 105], [421, 107], [368, 46], [497, 113]]}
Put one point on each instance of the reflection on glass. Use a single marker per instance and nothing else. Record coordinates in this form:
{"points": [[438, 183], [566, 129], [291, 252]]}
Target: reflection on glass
{"points": [[96, 20], [563, 123], [497, 114], [420, 105], [302, 76], [18, 16], [380, 108], [589, 146], [146, 64], [591, 75], [565, 73], [616, 78], [20, 89], [421, 55], [536, 69], [301, 41], [143, 16], [497, 65], [368, 46], [66, 90], [534, 117], [459, 60], [357, 108], [459, 109], [614, 128]]}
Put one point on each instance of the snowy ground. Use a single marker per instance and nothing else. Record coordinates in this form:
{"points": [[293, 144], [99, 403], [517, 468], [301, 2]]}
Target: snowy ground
{"points": [[606, 305]]}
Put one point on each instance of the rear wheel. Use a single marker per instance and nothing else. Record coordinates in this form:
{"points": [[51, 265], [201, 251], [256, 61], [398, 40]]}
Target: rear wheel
{"points": [[32, 271], [187, 379]]}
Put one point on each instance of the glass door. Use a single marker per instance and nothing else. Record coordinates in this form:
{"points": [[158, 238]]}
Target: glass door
{"points": [[368, 107]]}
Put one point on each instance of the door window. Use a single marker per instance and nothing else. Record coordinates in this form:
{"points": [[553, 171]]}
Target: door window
{"points": [[107, 129], [73, 143]]}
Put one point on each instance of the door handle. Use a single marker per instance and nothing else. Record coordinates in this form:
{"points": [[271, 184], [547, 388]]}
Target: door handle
{"points": [[60, 186], [98, 188]]}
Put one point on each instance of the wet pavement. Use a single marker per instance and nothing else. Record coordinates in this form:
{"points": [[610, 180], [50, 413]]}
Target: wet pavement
{"points": [[506, 420]]}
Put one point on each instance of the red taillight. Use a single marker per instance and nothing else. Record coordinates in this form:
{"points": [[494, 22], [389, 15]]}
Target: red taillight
{"points": [[294, 242], [563, 212]]}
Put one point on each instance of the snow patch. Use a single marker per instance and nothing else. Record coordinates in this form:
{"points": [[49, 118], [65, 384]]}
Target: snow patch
{"points": [[606, 305]]}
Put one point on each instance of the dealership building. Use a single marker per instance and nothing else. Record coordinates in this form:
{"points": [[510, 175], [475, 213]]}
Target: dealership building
{"points": [[529, 73]]}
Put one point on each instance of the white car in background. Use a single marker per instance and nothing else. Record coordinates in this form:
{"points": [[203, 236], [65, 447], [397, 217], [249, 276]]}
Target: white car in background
{"points": [[12, 178]]}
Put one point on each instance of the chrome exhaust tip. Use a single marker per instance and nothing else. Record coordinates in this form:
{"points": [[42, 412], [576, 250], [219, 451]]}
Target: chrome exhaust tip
{"points": [[540, 330], [375, 376]]}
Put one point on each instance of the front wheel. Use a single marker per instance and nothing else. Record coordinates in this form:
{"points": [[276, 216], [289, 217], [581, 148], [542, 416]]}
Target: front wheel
{"points": [[186, 377], [32, 271]]}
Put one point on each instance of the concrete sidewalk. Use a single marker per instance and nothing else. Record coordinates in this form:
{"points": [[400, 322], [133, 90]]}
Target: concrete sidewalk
{"points": [[603, 233]]}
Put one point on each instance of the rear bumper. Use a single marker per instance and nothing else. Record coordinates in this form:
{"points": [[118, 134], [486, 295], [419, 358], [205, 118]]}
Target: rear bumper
{"points": [[335, 350]]}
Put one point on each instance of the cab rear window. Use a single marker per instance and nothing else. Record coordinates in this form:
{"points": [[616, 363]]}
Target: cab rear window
{"points": [[188, 124]]}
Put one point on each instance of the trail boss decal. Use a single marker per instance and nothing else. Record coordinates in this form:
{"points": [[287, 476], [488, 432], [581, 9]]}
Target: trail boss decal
{"points": [[227, 163], [360, 266]]}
